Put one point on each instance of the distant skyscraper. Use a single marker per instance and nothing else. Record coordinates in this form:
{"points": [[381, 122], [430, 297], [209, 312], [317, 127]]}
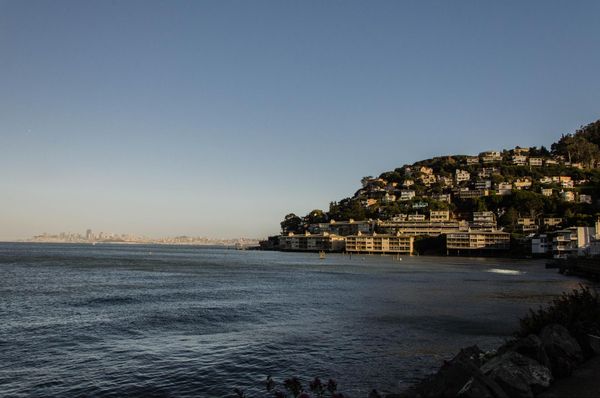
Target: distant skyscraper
{"points": [[89, 235]]}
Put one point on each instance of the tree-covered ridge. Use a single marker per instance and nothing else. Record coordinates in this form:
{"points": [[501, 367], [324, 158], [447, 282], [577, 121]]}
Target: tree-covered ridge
{"points": [[583, 146], [563, 182]]}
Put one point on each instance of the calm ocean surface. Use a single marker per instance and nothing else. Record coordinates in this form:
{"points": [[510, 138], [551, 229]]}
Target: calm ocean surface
{"points": [[164, 321]]}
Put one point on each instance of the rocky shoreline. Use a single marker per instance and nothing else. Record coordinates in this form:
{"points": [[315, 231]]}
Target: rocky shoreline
{"points": [[527, 366], [522, 368], [554, 354]]}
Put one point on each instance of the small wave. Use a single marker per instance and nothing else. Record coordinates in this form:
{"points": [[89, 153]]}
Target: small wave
{"points": [[504, 271]]}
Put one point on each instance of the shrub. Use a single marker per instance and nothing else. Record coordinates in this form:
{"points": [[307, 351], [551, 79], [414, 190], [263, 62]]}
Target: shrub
{"points": [[578, 311]]}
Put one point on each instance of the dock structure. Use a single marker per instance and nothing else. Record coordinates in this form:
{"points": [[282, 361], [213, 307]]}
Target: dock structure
{"points": [[587, 267]]}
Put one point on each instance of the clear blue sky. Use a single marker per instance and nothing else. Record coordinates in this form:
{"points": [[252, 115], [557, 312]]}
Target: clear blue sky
{"points": [[219, 117]]}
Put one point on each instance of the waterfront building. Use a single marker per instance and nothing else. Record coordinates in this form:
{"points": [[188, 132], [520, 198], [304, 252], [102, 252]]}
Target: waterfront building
{"points": [[475, 241], [380, 243], [311, 242], [541, 245], [573, 241], [594, 248], [550, 162]]}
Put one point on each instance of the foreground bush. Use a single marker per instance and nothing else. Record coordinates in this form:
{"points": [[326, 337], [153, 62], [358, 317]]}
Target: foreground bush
{"points": [[578, 311]]}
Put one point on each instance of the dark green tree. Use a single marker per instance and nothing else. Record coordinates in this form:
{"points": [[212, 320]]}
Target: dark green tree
{"points": [[291, 223]]}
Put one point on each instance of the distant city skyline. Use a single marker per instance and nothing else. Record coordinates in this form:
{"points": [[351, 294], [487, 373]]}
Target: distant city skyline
{"points": [[111, 237], [217, 118]]}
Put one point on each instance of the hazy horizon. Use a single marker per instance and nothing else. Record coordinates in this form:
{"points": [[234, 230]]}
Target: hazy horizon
{"points": [[217, 118]]}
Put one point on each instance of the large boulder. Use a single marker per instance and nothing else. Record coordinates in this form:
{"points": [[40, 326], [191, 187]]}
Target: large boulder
{"points": [[562, 349], [530, 346], [519, 376], [459, 377]]}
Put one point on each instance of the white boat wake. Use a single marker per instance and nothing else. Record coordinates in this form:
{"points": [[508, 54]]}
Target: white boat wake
{"points": [[504, 271]]}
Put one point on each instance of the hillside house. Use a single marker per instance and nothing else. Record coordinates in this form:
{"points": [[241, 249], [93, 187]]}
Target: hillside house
{"points": [[547, 191], [504, 188], [585, 199], [522, 183], [406, 194], [472, 160], [462, 175], [552, 221], [439, 215], [527, 224], [535, 162], [519, 160], [567, 196]]}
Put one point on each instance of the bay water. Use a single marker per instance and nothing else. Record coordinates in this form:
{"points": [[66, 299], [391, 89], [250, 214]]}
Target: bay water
{"points": [[180, 321]]}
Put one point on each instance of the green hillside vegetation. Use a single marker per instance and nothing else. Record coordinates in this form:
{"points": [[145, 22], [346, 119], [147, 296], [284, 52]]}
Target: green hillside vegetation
{"points": [[575, 155]]}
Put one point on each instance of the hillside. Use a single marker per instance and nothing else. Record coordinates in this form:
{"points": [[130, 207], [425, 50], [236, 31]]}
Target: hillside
{"points": [[518, 184]]}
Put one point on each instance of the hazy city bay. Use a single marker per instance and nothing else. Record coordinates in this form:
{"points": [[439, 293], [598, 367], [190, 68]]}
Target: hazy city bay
{"points": [[115, 320]]}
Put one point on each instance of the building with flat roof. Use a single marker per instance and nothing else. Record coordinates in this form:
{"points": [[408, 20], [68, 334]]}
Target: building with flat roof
{"points": [[527, 224], [312, 242], [439, 215], [476, 241], [380, 243], [573, 241], [535, 162], [541, 245]]}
